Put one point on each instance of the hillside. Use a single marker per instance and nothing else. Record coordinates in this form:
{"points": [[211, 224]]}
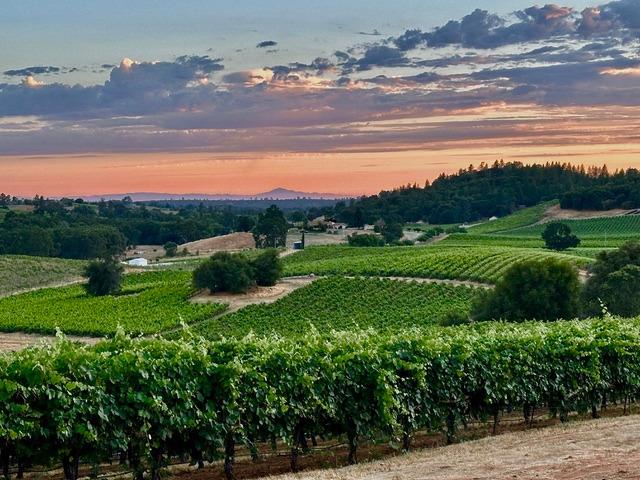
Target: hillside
{"points": [[232, 241], [485, 191], [21, 273]]}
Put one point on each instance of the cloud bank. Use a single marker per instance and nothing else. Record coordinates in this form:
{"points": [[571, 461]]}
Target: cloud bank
{"points": [[548, 57]]}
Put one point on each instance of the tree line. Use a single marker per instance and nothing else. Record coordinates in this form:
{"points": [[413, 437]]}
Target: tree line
{"points": [[74, 229], [496, 190]]}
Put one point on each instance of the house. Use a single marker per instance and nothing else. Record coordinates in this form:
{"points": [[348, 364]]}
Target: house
{"points": [[336, 225], [138, 262]]}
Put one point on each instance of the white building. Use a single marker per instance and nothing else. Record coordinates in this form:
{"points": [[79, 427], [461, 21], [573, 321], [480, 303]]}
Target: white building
{"points": [[138, 262]]}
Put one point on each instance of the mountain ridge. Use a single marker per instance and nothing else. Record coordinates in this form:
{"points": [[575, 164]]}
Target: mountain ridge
{"points": [[278, 193]]}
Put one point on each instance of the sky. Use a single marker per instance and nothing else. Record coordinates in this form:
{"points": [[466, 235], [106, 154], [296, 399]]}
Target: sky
{"points": [[345, 97]]}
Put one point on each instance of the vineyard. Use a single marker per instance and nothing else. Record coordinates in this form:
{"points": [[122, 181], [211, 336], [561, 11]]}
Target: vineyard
{"points": [[624, 226], [343, 304], [149, 303], [22, 272], [159, 400], [589, 247], [476, 263]]}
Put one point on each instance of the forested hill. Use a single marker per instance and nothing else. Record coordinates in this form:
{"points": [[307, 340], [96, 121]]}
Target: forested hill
{"points": [[499, 189]]}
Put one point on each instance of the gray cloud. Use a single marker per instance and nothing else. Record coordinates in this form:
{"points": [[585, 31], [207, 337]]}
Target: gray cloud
{"points": [[39, 70], [481, 29], [184, 103], [484, 30], [266, 44]]}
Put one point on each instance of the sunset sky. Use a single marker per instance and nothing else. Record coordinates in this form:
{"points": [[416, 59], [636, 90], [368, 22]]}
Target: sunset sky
{"points": [[346, 97]]}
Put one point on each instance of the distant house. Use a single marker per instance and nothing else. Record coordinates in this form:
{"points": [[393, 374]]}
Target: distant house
{"points": [[336, 225], [492, 219], [138, 262]]}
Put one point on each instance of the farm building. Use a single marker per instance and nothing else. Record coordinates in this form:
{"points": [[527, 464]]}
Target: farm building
{"points": [[138, 262]]}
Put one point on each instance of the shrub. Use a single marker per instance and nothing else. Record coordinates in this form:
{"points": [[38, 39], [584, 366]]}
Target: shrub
{"points": [[365, 240], [429, 234], [224, 272], [267, 268], [615, 282], [558, 236], [392, 232], [541, 290], [170, 249], [105, 277], [402, 243]]}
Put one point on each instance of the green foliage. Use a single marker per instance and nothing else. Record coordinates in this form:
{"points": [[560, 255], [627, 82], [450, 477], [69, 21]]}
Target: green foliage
{"points": [[480, 192], [271, 228], [91, 242], [157, 399], [104, 277], [430, 233], [484, 264], [27, 240], [267, 268], [170, 249], [149, 302], [540, 290], [344, 304], [558, 236], [24, 272], [244, 223], [392, 232], [224, 272], [365, 240], [615, 282]]}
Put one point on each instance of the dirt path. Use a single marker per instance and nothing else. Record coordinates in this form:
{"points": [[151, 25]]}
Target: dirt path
{"points": [[591, 450], [257, 295], [466, 283], [10, 342]]}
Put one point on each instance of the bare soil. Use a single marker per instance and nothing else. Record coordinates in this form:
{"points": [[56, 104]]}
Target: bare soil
{"points": [[591, 450], [150, 252], [256, 295], [557, 213], [231, 242]]}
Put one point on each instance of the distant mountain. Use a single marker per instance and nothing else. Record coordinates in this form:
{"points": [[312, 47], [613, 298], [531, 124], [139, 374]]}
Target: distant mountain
{"points": [[275, 194]]}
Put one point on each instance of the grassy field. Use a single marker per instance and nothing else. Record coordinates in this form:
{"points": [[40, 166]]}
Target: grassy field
{"points": [[521, 218], [476, 263], [149, 303], [336, 303], [22, 272]]}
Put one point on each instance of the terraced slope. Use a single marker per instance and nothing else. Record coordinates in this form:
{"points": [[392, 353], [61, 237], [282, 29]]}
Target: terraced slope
{"points": [[476, 263], [344, 304]]}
